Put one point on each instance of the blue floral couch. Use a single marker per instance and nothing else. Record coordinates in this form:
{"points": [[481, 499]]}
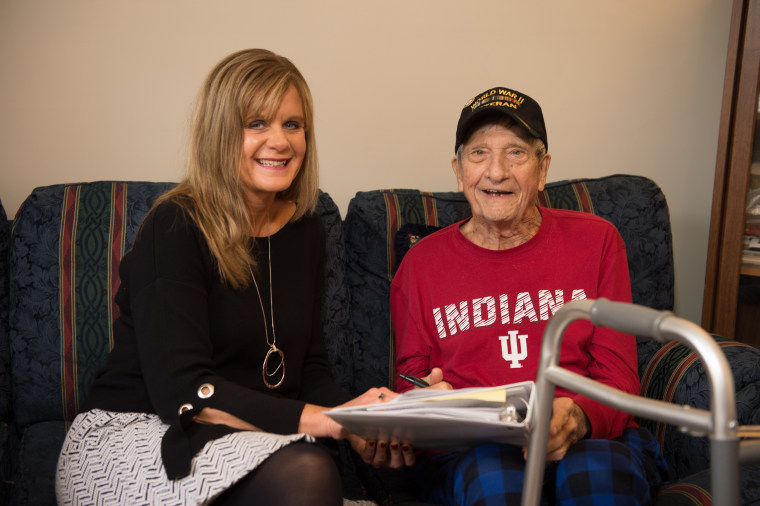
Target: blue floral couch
{"points": [[59, 272]]}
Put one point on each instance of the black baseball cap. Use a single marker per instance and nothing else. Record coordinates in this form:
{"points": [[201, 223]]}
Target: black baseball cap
{"points": [[500, 100]]}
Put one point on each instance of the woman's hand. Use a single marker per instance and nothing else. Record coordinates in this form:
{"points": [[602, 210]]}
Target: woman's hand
{"points": [[382, 453], [316, 423], [568, 426], [377, 453], [371, 396]]}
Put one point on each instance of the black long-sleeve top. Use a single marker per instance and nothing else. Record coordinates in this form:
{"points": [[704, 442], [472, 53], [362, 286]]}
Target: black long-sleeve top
{"points": [[180, 328]]}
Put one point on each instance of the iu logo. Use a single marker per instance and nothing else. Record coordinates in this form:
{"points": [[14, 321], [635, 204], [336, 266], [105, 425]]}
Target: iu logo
{"points": [[511, 350]]}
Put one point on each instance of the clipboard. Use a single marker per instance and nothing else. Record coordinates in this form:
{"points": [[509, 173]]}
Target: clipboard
{"points": [[446, 419]]}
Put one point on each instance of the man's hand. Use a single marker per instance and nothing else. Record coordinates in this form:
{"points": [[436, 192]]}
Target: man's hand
{"points": [[568, 426], [435, 380]]}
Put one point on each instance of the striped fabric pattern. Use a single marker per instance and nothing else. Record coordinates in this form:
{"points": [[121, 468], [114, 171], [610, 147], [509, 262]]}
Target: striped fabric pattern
{"points": [[574, 196], [671, 362], [68, 240], [405, 210], [91, 246], [675, 374], [684, 494], [401, 209]]}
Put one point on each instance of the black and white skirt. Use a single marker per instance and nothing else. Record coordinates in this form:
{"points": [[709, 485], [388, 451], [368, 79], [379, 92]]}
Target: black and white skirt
{"points": [[115, 458]]}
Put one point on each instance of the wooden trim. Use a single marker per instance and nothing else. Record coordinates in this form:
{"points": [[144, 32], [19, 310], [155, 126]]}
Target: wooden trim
{"points": [[735, 142], [738, 177], [721, 165]]}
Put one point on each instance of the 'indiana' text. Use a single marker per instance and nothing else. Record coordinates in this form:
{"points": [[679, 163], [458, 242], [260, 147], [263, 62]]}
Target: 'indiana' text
{"points": [[486, 311]]}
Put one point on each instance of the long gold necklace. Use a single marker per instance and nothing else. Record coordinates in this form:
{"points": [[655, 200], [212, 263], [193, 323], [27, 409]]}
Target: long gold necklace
{"points": [[273, 351]]}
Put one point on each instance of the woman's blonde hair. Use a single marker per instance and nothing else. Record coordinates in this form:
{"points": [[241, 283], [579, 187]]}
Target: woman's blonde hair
{"points": [[248, 80]]}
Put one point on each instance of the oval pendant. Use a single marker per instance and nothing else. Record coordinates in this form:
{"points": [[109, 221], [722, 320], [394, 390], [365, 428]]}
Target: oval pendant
{"points": [[273, 351]]}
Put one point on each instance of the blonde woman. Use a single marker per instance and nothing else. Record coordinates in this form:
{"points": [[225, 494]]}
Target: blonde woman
{"points": [[216, 385]]}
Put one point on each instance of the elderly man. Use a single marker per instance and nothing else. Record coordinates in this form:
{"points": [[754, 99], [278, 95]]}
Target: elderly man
{"points": [[470, 303]]}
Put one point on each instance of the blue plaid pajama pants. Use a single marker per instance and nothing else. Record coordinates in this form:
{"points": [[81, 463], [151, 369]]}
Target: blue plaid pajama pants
{"points": [[622, 471]]}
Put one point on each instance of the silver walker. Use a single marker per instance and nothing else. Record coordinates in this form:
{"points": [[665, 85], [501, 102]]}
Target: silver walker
{"points": [[719, 423]]}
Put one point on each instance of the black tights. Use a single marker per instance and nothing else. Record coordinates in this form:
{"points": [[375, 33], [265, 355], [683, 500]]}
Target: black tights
{"points": [[298, 474]]}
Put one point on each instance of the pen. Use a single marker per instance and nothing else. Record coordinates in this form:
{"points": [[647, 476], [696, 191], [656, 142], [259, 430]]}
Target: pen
{"points": [[414, 380]]}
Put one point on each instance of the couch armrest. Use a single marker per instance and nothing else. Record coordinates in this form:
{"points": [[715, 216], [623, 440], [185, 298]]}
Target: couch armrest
{"points": [[5, 352], [338, 330], [673, 373], [5, 378]]}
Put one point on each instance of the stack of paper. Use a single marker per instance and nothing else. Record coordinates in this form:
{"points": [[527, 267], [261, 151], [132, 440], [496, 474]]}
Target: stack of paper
{"points": [[446, 419]]}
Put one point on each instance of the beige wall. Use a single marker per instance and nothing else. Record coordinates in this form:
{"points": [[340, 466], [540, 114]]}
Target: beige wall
{"points": [[100, 89]]}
